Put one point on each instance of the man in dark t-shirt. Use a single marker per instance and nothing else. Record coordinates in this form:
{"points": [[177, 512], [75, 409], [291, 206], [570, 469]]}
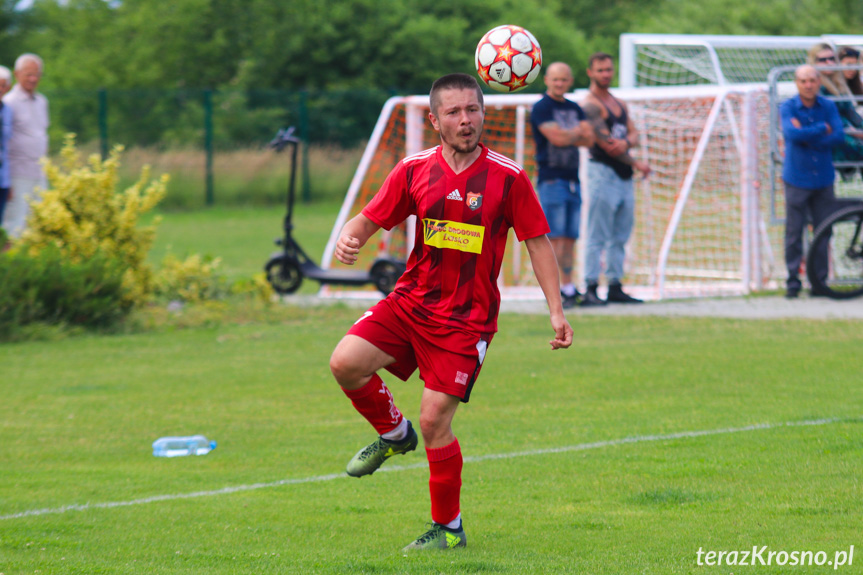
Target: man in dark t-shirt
{"points": [[558, 131]]}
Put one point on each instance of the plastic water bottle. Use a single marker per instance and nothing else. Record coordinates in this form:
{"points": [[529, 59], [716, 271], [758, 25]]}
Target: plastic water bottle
{"points": [[180, 446]]}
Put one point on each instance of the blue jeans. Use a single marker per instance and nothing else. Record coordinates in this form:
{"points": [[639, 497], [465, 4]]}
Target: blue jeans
{"points": [[610, 218], [561, 202]]}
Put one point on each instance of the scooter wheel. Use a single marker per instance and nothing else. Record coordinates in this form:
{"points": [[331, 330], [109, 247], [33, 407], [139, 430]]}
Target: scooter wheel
{"points": [[284, 274], [385, 274]]}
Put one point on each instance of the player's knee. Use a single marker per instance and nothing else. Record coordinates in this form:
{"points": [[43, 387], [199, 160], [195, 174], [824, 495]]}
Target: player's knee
{"points": [[341, 366], [432, 425]]}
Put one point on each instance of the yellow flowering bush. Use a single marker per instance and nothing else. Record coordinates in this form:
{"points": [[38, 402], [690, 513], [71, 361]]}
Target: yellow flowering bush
{"points": [[193, 280], [83, 215], [258, 287]]}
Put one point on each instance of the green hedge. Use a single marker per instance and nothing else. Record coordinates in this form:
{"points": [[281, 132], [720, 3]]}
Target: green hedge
{"points": [[49, 289]]}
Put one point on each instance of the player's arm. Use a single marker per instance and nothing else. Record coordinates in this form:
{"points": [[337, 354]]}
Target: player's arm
{"points": [[545, 268], [579, 135], [353, 236]]}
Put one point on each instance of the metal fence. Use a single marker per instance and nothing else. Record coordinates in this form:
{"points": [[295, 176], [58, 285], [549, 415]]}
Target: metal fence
{"points": [[212, 120]]}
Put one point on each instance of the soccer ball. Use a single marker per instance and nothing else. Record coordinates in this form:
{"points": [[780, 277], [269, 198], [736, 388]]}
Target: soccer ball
{"points": [[508, 58]]}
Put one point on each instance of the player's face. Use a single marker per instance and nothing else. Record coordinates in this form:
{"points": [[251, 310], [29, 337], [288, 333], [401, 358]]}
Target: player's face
{"points": [[601, 73], [458, 119]]}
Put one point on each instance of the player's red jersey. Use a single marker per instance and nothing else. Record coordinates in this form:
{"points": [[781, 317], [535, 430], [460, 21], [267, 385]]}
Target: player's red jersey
{"points": [[461, 232]]}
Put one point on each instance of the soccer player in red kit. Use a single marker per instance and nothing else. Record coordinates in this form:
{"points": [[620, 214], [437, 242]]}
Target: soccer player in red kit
{"points": [[443, 312]]}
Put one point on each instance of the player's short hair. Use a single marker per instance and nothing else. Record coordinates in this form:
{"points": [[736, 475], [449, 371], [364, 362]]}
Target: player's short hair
{"points": [[453, 82], [5, 74], [598, 57], [22, 60]]}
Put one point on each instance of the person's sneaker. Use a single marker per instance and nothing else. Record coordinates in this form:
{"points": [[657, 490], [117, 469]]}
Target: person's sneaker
{"points": [[590, 299], [569, 301], [792, 292], [617, 295], [440, 537], [372, 456]]}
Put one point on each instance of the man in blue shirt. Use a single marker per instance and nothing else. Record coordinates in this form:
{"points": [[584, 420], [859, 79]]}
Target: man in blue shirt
{"points": [[812, 127]]}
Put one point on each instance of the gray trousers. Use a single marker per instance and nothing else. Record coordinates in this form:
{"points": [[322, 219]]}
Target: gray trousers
{"points": [[799, 203]]}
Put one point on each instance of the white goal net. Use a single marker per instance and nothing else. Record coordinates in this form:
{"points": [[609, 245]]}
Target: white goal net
{"points": [[705, 220], [688, 59]]}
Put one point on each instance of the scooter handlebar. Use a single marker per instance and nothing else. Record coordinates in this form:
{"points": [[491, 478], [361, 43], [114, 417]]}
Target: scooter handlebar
{"points": [[283, 137]]}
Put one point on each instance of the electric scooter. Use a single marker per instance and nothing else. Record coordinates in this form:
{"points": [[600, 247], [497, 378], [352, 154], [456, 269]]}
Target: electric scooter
{"points": [[286, 268]]}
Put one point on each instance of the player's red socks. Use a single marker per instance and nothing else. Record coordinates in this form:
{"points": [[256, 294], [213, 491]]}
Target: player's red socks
{"points": [[445, 465], [375, 402]]}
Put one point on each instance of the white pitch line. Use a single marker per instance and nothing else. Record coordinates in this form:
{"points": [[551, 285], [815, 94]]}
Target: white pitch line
{"points": [[394, 468]]}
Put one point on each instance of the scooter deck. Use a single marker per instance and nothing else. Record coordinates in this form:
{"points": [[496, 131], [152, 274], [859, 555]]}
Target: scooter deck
{"points": [[335, 276]]}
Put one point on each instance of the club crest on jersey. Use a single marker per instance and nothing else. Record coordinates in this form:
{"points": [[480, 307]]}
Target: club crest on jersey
{"points": [[474, 200], [453, 235]]}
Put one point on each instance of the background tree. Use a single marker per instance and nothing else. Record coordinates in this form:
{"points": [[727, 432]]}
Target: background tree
{"points": [[339, 58]]}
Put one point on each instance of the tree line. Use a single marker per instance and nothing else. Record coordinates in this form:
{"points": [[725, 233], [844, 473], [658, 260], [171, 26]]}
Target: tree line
{"points": [[388, 46]]}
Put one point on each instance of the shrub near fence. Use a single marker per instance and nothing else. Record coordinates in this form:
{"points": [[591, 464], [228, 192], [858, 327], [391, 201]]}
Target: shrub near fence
{"points": [[49, 288], [213, 135]]}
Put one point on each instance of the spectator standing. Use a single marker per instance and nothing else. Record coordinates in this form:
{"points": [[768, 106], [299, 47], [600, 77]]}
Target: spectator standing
{"points": [[611, 214], [5, 133], [28, 143], [812, 127], [558, 130]]}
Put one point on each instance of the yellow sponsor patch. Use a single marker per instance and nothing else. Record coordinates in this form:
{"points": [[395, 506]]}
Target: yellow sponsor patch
{"points": [[453, 235]]}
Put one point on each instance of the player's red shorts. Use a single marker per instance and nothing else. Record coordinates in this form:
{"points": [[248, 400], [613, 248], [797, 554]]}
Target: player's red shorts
{"points": [[449, 360]]}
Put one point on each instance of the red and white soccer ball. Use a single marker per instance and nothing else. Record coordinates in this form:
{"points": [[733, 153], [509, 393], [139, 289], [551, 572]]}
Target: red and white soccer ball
{"points": [[508, 58]]}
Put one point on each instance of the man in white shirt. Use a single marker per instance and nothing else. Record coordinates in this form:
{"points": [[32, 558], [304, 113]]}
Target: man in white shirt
{"points": [[28, 144]]}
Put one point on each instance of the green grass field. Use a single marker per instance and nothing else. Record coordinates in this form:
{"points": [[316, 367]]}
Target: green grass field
{"points": [[577, 461], [649, 440]]}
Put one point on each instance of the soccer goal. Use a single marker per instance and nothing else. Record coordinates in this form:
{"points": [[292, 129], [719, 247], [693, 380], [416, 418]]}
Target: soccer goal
{"points": [[705, 220], [698, 225]]}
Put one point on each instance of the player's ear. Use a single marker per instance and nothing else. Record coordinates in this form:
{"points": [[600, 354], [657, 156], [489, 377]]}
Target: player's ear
{"points": [[434, 122]]}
